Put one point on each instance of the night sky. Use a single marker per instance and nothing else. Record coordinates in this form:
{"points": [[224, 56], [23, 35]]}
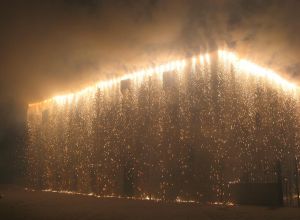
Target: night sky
{"points": [[53, 47]]}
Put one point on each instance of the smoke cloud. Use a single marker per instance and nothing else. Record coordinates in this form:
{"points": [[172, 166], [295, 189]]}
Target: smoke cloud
{"points": [[52, 47]]}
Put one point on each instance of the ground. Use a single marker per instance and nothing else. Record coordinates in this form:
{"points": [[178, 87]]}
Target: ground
{"points": [[17, 203]]}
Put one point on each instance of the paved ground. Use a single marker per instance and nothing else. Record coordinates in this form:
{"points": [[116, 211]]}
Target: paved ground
{"points": [[17, 203]]}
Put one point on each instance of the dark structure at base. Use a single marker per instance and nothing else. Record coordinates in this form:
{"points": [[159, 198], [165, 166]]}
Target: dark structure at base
{"points": [[256, 194]]}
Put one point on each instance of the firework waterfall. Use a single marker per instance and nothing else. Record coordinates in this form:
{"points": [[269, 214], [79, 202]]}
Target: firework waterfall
{"points": [[185, 130]]}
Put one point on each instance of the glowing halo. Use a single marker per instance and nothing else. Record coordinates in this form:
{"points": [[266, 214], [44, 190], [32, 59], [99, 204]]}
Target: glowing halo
{"points": [[177, 65]]}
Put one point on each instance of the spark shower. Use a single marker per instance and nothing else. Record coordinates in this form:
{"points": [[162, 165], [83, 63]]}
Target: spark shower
{"points": [[182, 131]]}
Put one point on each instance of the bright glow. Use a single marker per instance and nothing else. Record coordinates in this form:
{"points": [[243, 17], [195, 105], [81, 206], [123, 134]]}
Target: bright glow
{"points": [[249, 67], [194, 60], [207, 58], [201, 57], [177, 65]]}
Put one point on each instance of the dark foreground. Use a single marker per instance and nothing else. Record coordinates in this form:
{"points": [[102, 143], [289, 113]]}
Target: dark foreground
{"points": [[17, 203]]}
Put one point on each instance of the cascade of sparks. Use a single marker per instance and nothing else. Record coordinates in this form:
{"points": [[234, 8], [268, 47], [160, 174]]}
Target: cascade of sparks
{"points": [[189, 130]]}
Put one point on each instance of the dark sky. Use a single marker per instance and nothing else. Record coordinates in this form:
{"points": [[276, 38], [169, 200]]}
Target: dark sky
{"points": [[52, 47]]}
